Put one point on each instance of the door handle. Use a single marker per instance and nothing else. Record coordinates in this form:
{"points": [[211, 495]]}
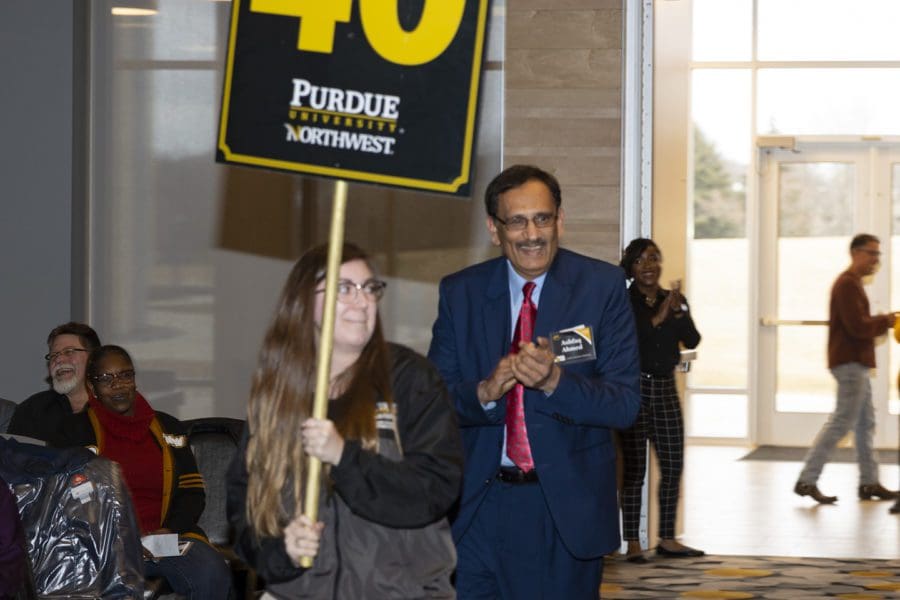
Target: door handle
{"points": [[770, 322]]}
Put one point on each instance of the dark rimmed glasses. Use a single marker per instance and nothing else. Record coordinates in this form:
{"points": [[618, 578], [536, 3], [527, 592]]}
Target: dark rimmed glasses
{"points": [[348, 291], [110, 378]]}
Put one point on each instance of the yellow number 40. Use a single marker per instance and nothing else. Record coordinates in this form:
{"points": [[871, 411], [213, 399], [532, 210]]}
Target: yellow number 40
{"points": [[436, 29]]}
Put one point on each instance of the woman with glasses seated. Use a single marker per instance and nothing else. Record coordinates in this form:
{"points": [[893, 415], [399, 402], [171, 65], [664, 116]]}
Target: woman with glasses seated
{"points": [[159, 468], [390, 448]]}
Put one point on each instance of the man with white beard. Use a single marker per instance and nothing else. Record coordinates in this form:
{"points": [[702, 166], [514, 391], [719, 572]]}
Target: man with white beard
{"points": [[42, 415]]}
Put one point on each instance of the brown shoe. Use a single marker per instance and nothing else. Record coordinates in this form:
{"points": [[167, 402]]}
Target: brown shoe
{"points": [[868, 491], [811, 490]]}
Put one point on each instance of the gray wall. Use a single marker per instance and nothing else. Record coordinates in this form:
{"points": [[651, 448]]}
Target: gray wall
{"points": [[36, 165]]}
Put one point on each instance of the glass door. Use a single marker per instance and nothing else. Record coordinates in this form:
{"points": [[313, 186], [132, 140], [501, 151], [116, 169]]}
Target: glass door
{"points": [[814, 199]]}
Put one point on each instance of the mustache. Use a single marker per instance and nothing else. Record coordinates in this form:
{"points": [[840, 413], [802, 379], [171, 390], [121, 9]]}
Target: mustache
{"points": [[532, 244], [60, 368]]}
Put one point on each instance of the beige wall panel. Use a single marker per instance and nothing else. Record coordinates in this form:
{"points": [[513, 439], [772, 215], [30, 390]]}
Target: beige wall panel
{"points": [[563, 132], [670, 129], [594, 239], [564, 29], [584, 169], [563, 108], [563, 68], [562, 4], [581, 103], [591, 202]]}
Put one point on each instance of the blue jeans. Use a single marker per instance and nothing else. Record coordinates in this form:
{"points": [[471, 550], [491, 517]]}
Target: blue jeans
{"points": [[854, 410], [201, 573]]}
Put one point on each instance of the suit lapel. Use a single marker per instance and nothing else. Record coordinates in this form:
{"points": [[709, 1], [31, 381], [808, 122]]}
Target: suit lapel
{"points": [[495, 313], [555, 297]]}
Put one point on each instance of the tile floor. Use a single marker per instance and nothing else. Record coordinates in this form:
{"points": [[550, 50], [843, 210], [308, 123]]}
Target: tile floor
{"points": [[748, 508]]}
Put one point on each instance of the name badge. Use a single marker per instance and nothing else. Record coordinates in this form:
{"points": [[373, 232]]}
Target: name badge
{"points": [[575, 344], [175, 441]]}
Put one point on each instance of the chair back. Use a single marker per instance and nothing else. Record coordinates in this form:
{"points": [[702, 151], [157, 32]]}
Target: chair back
{"points": [[214, 441], [7, 408]]}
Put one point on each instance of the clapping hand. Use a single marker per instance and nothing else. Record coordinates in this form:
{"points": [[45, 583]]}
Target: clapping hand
{"points": [[673, 305], [500, 381], [535, 365]]}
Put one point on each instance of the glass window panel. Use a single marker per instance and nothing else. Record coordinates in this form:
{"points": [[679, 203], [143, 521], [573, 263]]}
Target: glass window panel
{"points": [[804, 383], [722, 29], [717, 252], [170, 279], [895, 200], [828, 101], [720, 109], [719, 297], [828, 30], [496, 35], [182, 122], [815, 200], [153, 285], [717, 415], [806, 269], [180, 30]]}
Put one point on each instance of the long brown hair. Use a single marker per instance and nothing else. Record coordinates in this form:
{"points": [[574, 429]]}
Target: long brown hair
{"points": [[281, 396]]}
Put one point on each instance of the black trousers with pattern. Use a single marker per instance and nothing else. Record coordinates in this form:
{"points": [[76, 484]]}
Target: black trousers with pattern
{"points": [[659, 421]]}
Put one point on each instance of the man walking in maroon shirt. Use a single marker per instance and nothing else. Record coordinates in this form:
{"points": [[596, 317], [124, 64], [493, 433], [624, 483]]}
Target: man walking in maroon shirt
{"points": [[851, 356]]}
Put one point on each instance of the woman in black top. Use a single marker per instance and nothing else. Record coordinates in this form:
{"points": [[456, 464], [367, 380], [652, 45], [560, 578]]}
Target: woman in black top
{"points": [[664, 324]]}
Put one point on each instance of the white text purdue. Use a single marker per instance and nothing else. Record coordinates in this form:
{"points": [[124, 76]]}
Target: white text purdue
{"points": [[348, 102]]}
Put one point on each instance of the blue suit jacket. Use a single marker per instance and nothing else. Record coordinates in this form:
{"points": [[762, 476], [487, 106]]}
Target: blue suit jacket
{"points": [[569, 431]]}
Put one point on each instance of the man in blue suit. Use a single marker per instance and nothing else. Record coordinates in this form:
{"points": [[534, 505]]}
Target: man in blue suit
{"points": [[538, 508]]}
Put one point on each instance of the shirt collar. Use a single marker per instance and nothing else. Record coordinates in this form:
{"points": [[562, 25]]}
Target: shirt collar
{"points": [[517, 282]]}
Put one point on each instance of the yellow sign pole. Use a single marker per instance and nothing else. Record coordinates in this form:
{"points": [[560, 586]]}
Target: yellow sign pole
{"points": [[326, 339]]}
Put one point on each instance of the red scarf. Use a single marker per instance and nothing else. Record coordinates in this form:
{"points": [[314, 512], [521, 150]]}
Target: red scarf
{"points": [[129, 442]]}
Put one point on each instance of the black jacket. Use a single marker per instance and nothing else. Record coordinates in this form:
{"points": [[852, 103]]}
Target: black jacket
{"points": [[41, 416], [660, 346], [184, 492], [385, 532]]}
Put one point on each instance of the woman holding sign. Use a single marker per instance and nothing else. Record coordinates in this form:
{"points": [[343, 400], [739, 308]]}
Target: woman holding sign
{"points": [[663, 324], [390, 447]]}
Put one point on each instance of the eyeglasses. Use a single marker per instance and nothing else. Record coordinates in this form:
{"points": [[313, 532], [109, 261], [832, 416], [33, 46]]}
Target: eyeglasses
{"points": [[109, 378], [520, 222], [348, 291], [67, 352], [875, 253]]}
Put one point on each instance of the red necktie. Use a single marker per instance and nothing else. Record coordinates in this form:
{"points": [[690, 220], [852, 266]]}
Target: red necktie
{"points": [[517, 447]]}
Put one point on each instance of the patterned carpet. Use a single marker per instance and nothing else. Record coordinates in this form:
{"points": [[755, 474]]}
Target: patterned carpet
{"points": [[751, 577]]}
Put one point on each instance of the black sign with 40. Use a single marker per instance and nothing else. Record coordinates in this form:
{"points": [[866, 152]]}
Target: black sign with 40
{"points": [[381, 91], [437, 26]]}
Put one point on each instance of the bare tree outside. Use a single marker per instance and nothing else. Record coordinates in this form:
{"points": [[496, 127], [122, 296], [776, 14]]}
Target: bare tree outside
{"points": [[719, 192], [813, 200]]}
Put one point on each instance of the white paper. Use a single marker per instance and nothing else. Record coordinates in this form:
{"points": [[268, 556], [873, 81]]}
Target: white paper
{"points": [[162, 544]]}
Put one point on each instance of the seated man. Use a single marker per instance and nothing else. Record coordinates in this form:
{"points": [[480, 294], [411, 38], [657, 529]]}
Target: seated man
{"points": [[41, 416]]}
